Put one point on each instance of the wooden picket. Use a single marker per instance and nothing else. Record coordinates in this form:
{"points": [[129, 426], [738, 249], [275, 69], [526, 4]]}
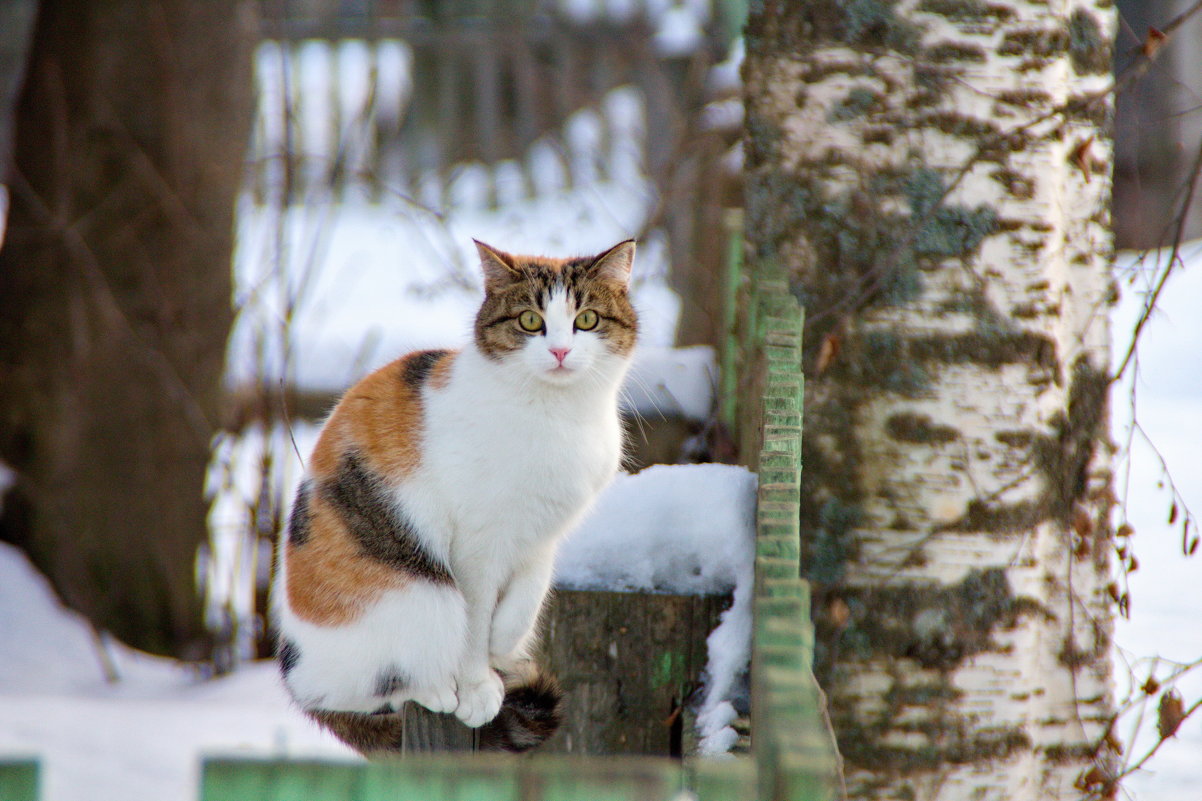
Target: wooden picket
{"points": [[19, 780]]}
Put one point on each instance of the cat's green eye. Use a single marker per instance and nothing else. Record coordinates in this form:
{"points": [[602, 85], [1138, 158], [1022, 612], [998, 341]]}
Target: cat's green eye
{"points": [[530, 321], [586, 320]]}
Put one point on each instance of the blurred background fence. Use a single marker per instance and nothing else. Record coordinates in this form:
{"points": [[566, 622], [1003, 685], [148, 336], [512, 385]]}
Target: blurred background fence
{"points": [[481, 103]]}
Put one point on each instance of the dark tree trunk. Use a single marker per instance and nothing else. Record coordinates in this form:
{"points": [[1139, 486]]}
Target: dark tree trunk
{"points": [[115, 301]]}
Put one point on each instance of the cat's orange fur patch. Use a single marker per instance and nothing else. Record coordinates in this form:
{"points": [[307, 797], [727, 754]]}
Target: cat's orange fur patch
{"points": [[381, 417], [440, 376], [330, 581]]}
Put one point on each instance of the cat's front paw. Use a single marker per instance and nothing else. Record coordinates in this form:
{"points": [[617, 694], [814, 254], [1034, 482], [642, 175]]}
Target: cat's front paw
{"points": [[438, 699], [480, 701]]}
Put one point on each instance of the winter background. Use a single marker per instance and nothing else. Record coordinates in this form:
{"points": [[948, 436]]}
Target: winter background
{"points": [[330, 289]]}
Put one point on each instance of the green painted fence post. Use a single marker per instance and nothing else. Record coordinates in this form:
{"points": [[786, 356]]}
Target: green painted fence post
{"points": [[19, 780]]}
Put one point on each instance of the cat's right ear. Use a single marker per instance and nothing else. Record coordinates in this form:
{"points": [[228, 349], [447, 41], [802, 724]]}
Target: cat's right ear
{"points": [[498, 266]]}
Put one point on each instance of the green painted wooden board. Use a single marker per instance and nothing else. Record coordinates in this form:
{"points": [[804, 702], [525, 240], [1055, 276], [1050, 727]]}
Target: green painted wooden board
{"points": [[444, 778], [18, 780], [722, 779]]}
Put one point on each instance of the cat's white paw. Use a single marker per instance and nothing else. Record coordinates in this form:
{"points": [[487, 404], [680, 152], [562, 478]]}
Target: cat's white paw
{"points": [[438, 699], [480, 701]]}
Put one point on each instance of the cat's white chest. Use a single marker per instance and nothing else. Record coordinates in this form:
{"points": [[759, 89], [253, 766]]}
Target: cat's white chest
{"points": [[520, 467]]}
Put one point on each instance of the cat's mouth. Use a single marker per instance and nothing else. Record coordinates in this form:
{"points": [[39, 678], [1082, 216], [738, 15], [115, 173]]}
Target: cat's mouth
{"points": [[560, 373]]}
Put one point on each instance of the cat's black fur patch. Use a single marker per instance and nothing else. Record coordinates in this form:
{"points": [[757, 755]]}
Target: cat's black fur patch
{"points": [[376, 522], [418, 367], [298, 522], [289, 656], [390, 681]]}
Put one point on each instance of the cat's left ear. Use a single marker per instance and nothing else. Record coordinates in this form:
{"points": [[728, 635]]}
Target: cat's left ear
{"points": [[498, 266], [615, 263]]}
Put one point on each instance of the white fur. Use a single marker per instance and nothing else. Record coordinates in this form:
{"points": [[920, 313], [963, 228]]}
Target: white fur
{"points": [[513, 453]]}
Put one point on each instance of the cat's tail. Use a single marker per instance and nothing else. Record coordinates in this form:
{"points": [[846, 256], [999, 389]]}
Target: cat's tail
{"points": [[530, 713]]}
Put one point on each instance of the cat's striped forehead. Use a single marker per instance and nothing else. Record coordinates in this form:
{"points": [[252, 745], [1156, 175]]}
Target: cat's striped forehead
{"points": [[516, 283], [540, 277]]}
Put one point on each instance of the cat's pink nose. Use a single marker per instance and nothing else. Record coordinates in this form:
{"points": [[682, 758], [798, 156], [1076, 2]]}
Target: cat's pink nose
{"points": [[560, 353]]}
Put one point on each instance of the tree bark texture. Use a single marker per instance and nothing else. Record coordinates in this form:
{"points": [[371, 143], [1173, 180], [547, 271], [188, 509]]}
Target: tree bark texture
{"points": [[115, 301], [935, 175]]}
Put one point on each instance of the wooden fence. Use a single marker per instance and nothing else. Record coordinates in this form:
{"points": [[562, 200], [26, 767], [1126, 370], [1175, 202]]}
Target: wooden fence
{"points": [[481, 103], [404, 96]]}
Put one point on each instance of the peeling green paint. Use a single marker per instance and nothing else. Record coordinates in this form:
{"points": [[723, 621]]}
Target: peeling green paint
{"points": [[669, 668]]}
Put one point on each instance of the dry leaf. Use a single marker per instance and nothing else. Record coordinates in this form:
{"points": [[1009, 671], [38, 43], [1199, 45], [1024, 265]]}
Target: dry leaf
{"points": [[1080, 157], [828, 351], [839, 612], [1153, 42], [1169, 714], [1082, 523], [1124, 530], [1091, 779]]}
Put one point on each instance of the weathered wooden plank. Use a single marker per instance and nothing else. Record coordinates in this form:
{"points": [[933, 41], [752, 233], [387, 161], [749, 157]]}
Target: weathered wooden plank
{"points": [[628, 663], [426, 731]]}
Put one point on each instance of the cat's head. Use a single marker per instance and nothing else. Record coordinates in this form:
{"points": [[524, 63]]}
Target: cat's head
{"points": [[558, 320]]}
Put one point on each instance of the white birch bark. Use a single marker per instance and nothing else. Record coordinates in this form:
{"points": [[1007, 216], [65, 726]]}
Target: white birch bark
{"points": [[935, 175]]}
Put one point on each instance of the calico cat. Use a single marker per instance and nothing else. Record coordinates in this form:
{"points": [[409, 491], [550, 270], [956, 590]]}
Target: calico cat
{"points": [[420, 546]]}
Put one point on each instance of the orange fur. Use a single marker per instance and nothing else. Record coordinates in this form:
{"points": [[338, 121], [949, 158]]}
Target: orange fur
{"points": [[330, 581], [441, 374]]}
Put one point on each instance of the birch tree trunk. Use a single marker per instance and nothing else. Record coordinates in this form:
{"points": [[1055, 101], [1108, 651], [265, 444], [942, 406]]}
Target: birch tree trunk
{"points": [[935, 175]]}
